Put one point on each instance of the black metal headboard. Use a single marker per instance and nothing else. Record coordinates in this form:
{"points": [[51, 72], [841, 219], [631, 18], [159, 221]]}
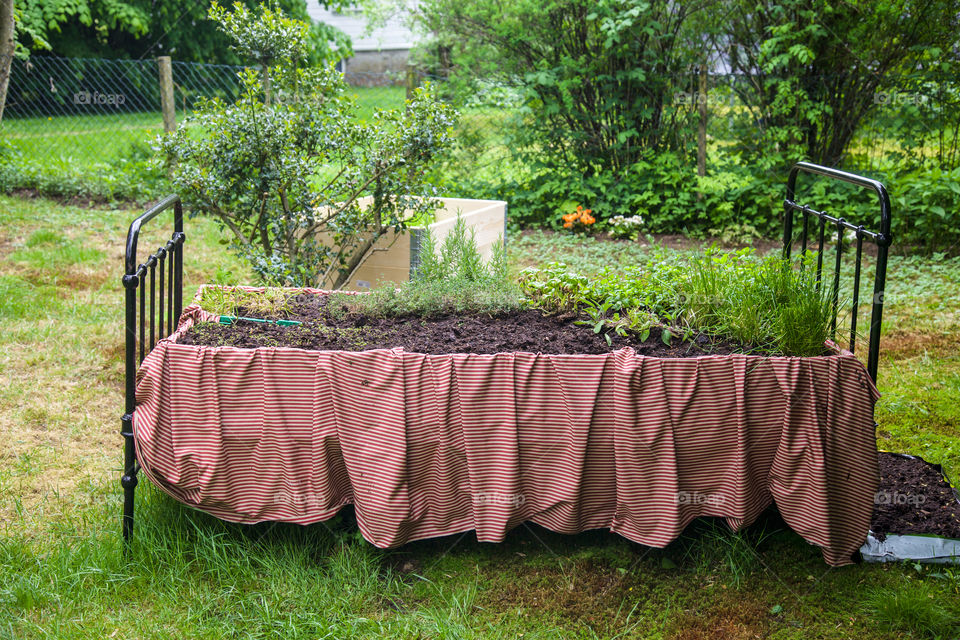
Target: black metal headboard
{"points": [[881, 239], [159, 278]]}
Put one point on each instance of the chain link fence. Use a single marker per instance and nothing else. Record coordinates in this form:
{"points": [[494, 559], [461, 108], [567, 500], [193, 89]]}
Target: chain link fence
{"points": [[86, 117], [81, 112]]}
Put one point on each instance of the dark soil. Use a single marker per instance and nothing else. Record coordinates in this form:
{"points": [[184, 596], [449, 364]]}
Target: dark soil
{"points": [[525, 330], [914, 497]]}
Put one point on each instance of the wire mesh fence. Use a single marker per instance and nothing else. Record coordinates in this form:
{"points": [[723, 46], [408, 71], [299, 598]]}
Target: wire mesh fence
{"points": [[87, 115], [90, 112], [85, 111]]}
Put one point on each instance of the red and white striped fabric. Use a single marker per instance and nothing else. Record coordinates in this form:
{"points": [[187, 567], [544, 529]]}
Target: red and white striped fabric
{"points": [[431, 445]]}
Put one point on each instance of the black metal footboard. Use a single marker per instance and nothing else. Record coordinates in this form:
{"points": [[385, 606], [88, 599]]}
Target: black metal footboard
{"points": [[154, 299], [882, 239]]}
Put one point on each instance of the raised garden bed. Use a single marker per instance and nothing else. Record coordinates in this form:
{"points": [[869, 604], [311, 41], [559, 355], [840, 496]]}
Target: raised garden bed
{"points": [[322, 328], [429, 444]]}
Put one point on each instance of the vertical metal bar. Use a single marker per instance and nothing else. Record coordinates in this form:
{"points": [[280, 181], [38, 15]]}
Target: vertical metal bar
{"points": [[836, 281], [823, 225], [856, 291], [128, 480], [142, 323], [153, 299], [160, 258], [788, 212], [170, 318], [876, 317], [178, 267], [806, 232]]}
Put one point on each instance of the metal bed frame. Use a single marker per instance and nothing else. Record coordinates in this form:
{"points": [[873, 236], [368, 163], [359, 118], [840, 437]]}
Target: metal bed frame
{"points": [[159, 279]]}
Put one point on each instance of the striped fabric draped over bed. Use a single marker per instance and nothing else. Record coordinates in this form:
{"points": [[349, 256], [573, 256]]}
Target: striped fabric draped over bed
{"points": [[431, 445]]}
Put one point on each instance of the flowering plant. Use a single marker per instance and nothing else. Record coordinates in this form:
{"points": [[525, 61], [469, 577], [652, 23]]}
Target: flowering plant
{"points": [[579, 220], [625, 228]]}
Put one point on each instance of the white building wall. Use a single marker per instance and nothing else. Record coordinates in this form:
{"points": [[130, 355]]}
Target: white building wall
{"points": [[393, 36]]}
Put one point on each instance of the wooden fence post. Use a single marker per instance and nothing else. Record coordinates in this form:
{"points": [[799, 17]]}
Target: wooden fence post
{"points": [[167, 105], [702, 132], [411, 79]]}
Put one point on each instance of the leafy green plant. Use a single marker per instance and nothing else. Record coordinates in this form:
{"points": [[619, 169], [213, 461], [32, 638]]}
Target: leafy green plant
{"points": [[767, 305], [230, 301], [305, 187], [553, 288], [625, 227], [451, 278]]}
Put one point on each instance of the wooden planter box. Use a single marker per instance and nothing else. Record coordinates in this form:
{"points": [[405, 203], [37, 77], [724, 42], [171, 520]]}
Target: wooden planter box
{"points": [[396, 255]]}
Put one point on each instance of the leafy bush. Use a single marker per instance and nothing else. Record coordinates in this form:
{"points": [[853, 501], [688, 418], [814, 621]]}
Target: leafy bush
{"points": [[305, 187], [926, 208], [597, 80], [132, 178]]}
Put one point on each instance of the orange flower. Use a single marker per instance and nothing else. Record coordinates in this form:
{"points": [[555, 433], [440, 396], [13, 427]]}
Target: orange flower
{"points": [[571, 217], [586, 218], [567, 225]]}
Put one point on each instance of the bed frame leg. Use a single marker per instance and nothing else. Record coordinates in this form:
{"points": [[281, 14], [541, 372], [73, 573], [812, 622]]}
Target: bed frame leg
{"points": [[129, 478]]}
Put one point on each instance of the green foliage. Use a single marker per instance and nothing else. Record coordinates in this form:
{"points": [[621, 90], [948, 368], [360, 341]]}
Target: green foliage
{"points": [[40, 21], [767, 305], [141, 28], [712, 545], [914, 609], [271, 303], [451, 278], [625, 228], [597, 79], [926, 204], [814, 69], [304, 185], [132, 178]]}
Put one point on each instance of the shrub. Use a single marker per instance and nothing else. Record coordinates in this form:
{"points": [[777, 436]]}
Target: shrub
{"points": [[287, 166]]}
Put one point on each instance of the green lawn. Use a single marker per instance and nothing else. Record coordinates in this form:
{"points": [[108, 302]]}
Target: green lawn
{"points": [[63, 573], [88, 141]]}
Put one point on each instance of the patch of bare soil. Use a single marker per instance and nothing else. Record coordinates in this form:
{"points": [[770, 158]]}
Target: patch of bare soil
{"points": [[914, 497], [521, 330]]}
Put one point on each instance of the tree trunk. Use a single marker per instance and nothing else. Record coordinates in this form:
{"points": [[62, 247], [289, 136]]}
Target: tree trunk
{"points": [[6, 49]]}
